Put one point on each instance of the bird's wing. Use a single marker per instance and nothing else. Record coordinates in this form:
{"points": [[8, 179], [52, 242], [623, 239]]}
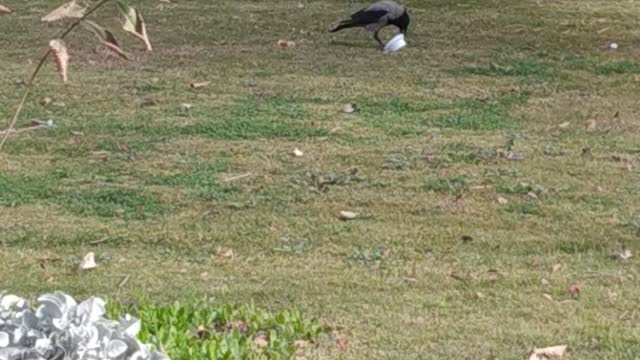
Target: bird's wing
{"points": [[368, 16]]}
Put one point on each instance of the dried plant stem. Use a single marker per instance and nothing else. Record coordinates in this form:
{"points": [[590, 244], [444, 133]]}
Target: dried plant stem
{"points": [[27, 91]]}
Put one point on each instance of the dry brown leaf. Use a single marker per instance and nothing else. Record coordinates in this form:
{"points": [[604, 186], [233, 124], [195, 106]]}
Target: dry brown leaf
{"points": [[202, 332], [225, 252], [623, 253], [335, 130], [349, 108], [70, 10], [60, 56], [132, 22], [88, 261], [199, 85], [283, 44], [347, 215], [5, 10], [341, 343], [549, 353], [261, 341], [574, 290]]}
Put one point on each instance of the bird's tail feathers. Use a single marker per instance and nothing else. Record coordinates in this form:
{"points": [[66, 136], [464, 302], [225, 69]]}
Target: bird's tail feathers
{"points": [[344, 24]]}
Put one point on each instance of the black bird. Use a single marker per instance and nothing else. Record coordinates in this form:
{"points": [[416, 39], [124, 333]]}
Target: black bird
{"points": [[375, 17]]}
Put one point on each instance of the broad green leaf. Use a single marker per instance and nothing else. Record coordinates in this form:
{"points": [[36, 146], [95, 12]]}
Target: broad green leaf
{"points": [[106, 38], [70, 10], [132, 22]]}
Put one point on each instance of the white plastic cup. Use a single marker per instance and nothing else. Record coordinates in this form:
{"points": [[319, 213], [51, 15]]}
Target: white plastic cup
{"points": [[396, 43]]}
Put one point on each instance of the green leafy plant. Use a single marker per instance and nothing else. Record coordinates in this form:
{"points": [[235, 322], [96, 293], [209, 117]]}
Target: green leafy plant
{"points": [[202, 330], [132, 23]]}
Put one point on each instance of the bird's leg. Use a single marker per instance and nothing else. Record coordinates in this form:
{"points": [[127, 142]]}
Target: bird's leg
{"points": [[375, 36]]}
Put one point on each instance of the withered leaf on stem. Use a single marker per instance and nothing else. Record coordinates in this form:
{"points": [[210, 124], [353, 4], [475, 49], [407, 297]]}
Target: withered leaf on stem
{"points": [[60, 56], [70, 10], [132, 22], [106, 38], [5, 10]]}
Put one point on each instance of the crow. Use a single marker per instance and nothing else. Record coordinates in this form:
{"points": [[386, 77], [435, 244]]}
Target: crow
{"points": [[375, 17]]}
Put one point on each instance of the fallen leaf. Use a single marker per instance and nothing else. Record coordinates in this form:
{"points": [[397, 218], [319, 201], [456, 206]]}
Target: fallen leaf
{"points": [[544, 281], [502, 201], [186, 106], [341, 343], [101, 155], [532, 195], [199, 85], [335, 130], [548, 297], [283, 44], [574, 290], [202, 332], [297, 152], [45, 101], [70, 10], [347, 215], [591, 125], [225, 252], [556, 267], [300, 343], [492, 275], [241, 326], [132, 22], [77, 133], [5, 10], [106, 38], [124, 148], [261, 341], [88, 261], [349, 108], [513, 156], [60, 56], [564, 125], [623, 253], [549, 353]]}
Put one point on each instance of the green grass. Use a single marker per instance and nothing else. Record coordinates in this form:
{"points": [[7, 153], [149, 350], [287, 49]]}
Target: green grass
{"points": [[126, 203], [622, 67], [453, 186], [209, 201], [254, 118]]}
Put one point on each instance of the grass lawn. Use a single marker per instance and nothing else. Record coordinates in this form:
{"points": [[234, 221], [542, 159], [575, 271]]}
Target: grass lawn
{"points": [[493, 163]]}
